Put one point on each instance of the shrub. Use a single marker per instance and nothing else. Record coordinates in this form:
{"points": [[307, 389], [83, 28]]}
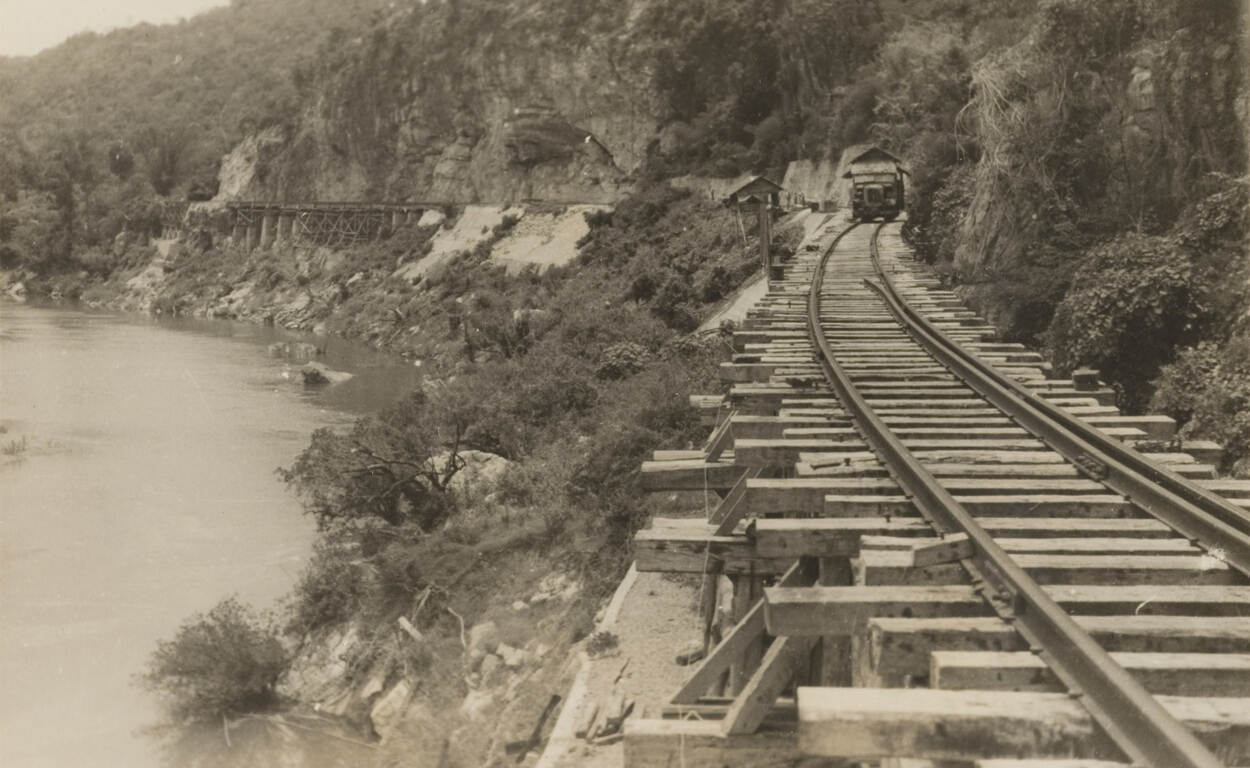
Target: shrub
{"points": [[621, 360], [330, 588], [1130, 306], [601, 643], [225, 662], [1208, 389]]}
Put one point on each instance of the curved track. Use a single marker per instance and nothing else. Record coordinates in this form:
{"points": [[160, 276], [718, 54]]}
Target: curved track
{"points": [[909, 503], [1122, 706]]}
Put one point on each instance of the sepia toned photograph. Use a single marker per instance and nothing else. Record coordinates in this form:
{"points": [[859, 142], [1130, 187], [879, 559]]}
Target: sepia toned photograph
{"points": [[631, 384]]}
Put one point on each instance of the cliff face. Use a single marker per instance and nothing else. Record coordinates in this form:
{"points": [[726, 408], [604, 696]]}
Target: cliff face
{"points": [[1082, 133], [450, 104]]}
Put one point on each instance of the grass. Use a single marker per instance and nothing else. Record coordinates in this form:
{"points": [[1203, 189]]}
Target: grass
{"points": [[15, 447]]}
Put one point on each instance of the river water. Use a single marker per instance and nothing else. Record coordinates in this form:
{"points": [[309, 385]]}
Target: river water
{"points": [[146, 492]]}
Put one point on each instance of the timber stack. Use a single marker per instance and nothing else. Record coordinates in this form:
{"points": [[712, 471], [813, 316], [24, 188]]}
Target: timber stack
{"points": [[929, 551]]}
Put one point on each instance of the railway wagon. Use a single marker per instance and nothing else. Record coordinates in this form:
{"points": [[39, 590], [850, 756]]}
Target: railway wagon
{"points": [[876, 185]]}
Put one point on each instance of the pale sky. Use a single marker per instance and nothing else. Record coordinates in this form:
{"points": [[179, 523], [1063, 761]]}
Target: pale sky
{"points": [[29, 26]]}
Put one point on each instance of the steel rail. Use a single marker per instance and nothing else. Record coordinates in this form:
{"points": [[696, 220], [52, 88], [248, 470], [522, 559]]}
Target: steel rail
{"points": [[1210, 521], [1135, 721]]}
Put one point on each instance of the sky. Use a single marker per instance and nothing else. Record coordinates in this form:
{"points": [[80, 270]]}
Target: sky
{"points": [[29, 26]]}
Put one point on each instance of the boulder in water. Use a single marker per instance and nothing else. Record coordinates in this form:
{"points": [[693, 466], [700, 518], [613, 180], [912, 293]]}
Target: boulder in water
{"points": [[318, 375]]}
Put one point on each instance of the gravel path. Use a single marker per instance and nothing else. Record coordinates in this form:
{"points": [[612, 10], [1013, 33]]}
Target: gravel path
{"points": [[659, 615]]}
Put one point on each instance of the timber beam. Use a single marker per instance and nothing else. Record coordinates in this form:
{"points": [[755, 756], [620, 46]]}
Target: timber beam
{"points": [[868, 723], [895, 651], [847, 610]]}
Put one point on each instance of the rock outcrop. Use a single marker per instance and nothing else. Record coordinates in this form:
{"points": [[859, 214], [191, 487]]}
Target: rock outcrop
{"points": [[530, 111]]}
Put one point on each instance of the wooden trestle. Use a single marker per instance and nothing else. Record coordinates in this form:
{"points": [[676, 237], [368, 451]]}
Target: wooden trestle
{"points": [[333, 224], [827, 594]]}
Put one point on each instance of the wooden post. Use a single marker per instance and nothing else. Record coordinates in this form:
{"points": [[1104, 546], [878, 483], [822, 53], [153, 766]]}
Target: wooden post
{"points": [[747, 590], [765, 232], [286, 225], [397, 220], [253, 235], [835, 650], [268, 226], [238, 234]]}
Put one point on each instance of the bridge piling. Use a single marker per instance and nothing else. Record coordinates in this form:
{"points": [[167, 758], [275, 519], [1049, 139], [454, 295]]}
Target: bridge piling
{"points": [[286, 226], [268, 228]]}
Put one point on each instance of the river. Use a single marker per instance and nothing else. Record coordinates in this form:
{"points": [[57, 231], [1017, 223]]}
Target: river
{"points": [[145, 492]]}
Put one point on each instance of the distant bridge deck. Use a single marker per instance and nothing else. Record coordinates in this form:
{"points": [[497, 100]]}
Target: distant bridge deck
{"points": [[261, 223]]}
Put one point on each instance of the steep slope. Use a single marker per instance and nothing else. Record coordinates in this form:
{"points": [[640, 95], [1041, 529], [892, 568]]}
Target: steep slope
{"points": [[205, 82]]}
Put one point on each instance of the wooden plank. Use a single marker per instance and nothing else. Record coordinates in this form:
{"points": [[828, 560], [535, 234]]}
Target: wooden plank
{"points": [[700, 744], [808, 493], [826, 610], [868, 723], [1054, 546], [780, 663], [888, 567], [696, 551], [747, 631], [1039, 505], [947, 549], [731, 509], [1176, 674], [689, 475], [894, 650], [818, 611]]}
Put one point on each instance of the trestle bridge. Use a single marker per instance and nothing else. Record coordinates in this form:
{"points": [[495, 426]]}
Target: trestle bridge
{"points": [[257, 224], [933, 551]]}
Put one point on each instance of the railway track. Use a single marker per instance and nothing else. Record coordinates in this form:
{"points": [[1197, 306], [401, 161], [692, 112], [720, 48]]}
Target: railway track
{"points": [[927, 550]]}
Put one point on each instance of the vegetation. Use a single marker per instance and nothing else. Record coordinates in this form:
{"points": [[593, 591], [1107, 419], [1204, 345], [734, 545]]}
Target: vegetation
{"points": [[103, 133], [600, 380], [222, 663], [1086, 195], [1077, 170]]}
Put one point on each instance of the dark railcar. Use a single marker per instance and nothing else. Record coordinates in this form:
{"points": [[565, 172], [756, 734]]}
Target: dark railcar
{"points": [[876, 185]]}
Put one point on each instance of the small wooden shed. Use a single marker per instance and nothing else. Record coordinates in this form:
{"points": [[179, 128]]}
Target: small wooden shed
{"points": [[765, 194], [760, 188], [872, 162]]}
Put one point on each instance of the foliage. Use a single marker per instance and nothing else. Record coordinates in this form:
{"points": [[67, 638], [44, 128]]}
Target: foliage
{"points": [[1207, 390], [599, 383], [745, 82], [1129, 306], [225, 662], [388, 467], [331, 588], [621, 360], [601, 643]]}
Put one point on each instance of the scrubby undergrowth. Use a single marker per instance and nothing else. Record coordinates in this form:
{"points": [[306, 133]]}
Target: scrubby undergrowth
{"points": [[573, 377], [1084, 186]]}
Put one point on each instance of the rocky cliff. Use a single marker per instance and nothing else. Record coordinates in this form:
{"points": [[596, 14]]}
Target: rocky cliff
{"points": [[453, 104]]}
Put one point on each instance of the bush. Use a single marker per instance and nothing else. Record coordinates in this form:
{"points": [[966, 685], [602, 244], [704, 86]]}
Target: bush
{"points": [[621, 361], [331, 587], [222, 663], [1130, 306], [1207, 389]]}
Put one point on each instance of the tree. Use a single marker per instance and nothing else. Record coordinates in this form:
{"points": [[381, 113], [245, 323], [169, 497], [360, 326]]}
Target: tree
{"points": [[222, 663], [65, 169], [121, 160], [395, 467], [164, 151]]}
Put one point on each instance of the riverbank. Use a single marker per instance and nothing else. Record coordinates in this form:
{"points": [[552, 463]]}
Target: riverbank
{"points": [[403, 294], [145, 492], [564, 380]]}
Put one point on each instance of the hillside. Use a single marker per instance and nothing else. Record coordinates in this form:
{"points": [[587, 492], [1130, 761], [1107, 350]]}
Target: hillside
{"points": [[194, 88], [1078, 170]]}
